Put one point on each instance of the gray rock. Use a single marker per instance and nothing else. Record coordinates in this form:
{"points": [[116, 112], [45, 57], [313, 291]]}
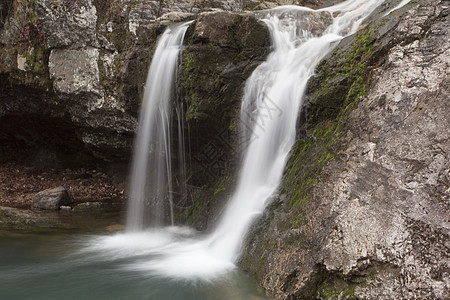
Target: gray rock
{"points": [[68, 23], [74, 71], [88, 206], [52, 199], [375, 225]]}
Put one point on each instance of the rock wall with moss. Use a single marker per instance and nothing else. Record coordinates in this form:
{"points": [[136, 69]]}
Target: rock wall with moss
{"points": [[222, 49], [362, 212], [72, 75]]}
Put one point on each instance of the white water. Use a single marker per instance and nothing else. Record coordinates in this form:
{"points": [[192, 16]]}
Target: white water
{"points": [[272, 100], [400, 5], [151, 172]]}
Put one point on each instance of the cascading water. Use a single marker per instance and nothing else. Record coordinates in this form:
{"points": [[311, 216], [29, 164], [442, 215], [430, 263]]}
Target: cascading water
{"points": [[272, 100], [400, 5], [151, 172]]}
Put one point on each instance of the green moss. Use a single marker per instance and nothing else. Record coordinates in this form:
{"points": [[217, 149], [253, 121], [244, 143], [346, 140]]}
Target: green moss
{"points": [[343, 78], [336, 288], [219, 189], [188, 84], [338, 89], [192, 111]]}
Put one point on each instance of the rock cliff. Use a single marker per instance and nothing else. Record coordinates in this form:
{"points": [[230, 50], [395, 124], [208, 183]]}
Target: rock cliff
{"points": [[363, 210], [72, 74]]}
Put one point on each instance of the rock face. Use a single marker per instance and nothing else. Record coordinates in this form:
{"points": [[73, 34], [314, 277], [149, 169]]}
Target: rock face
{"points": [[75, 72], [368, 218], [72, 74], [221, 52], [363, 207], [52, 199]]}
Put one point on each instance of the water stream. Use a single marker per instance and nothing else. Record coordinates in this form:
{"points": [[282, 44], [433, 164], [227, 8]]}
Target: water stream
{"points": [[151, 172], [178, 262], [301, 37]]}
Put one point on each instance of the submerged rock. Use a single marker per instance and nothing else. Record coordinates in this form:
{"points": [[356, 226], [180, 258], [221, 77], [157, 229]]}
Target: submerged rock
{"points": [[52, 199], [87, 207]]}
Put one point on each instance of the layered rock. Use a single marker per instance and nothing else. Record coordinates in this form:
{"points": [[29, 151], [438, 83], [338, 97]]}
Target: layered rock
{"points": [[221, 52], [80, 66], [73, 72], [363, 210]]}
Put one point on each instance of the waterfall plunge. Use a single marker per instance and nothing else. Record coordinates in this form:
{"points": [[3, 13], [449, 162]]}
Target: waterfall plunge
{"points": [[151, 172], [278, 85]]}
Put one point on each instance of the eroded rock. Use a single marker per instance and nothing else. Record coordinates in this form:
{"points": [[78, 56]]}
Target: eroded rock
{"points": [[223, 49]]}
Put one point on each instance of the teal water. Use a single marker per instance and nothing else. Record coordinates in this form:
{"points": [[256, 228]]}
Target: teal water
{"points": [[56, 266]]}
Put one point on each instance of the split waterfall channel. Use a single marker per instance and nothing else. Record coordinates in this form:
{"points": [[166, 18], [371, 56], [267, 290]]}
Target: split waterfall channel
{"points": [[177, 262]]}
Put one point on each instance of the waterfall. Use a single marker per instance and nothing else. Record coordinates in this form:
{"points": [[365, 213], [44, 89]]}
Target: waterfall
{"points": [[271, 103], [272, 99], [151, 171], [400, 5]]}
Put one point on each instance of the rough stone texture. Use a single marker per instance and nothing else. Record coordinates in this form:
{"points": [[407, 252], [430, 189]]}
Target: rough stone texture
{"points": [[72, 75], [52, 199], [374, 223], [267, 4], [74, 21], [20, 219], [222, 50], [88, 206], [74, 71], [79, 65], [83, 64]]}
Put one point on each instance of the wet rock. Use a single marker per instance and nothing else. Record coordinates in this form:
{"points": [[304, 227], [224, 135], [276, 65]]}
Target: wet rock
{"points": [[223, 49], [87, 207], [68, 23], [52, 199], [373, 222], [20, 219], [115, 227], [82, 64], [267, 4]]}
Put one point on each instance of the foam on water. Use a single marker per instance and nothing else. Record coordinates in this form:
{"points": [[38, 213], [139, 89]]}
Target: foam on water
{"points": [[270, 107]]}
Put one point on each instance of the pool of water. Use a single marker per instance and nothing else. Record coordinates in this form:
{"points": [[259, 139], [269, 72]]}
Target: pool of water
{"points": [[68, 266]]}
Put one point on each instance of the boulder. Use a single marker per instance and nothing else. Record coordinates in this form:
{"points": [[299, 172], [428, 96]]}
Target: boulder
{"points": [[52, 199]]}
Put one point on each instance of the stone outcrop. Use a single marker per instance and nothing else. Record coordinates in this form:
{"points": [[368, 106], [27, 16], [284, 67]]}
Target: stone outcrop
{"points": [[75, 71], [363, 210], [221, 52], [52, 199], [72, 76]]}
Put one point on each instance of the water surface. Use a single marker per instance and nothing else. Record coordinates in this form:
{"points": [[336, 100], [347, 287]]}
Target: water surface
{"points": [[69, 266]]}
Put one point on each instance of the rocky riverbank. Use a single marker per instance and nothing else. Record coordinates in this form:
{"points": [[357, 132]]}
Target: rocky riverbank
{"points": [[92, 191], [362, 212]]}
